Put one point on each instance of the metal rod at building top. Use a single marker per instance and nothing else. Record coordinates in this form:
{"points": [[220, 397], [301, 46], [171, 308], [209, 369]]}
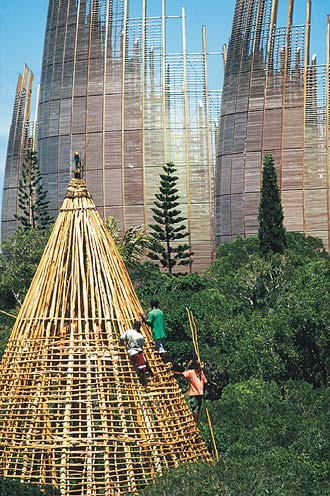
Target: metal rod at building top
{"points": [[308, 31], [288, 34], [271, 33], [186, 123]]}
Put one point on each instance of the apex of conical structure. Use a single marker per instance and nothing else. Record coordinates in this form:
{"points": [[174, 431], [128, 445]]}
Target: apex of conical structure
{"points": [[73, 412]]}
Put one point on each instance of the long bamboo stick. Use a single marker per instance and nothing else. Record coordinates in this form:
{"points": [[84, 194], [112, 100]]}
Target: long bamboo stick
{"points": [[193, 330]]}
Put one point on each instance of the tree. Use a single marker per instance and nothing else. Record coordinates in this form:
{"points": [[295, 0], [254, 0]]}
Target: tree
{"points": [[32, 199], [169, 228], [19, 258], [131, 244], [271, 230], [272, 440], [13, 487]]}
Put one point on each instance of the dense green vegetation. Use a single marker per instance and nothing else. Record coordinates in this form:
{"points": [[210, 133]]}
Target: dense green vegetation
{"points": [[264, 336], [264, 332], [12, 487], [19, 258], [273, 440], [258, 318]]}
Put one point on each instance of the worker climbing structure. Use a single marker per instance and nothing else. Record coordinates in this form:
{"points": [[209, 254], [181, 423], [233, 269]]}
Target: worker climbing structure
{"points": [[73, 412]]}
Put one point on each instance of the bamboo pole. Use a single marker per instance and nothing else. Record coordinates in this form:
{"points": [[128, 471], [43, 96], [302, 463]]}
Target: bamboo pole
{"points": [[9, 314], [193, 330]]}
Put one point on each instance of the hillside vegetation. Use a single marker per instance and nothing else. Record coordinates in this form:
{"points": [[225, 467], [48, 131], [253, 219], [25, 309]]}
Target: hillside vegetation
{"points": [[264, 336], [264, 331]]}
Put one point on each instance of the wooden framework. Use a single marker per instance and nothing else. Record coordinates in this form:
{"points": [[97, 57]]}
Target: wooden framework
{"points": [[275, 100], [22, 136], [72, 410], [113, 88]]}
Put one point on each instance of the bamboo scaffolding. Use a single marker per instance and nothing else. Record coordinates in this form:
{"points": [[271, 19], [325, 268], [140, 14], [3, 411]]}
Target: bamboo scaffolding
{"points": [[194, 334], [72, 410]]}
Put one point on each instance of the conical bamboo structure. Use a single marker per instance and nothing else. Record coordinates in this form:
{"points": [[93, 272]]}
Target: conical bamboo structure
{"points": [[73, 412]]}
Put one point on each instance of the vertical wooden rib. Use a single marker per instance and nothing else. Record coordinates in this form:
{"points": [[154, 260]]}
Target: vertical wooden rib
{"points": [[164, 79], [224, 55], [28, 76], [252, 69], [208, 137], [105, 67], [306, 69], [286, 68], [186, 125], [327, 81], [58, 165], [74, 76], [123, 88], [269, 66], [35, 128], [87, 84], [143, 89]]}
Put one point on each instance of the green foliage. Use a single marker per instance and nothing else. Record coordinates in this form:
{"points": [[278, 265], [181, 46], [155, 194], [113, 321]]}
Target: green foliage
{"points": [[169, 226], [272, 440], [32, 199], [13, 487], [19, 259], [262, 318], [271, 229], [131, 244], [5, 330], [198, 479]]}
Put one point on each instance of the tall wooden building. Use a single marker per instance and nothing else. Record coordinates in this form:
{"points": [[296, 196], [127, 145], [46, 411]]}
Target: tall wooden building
{"points": [[275, 100], [115, 87]]}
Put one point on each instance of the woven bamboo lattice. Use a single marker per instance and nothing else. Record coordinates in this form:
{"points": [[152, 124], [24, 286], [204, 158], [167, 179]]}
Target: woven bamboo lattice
{"points": [[73, 412]]}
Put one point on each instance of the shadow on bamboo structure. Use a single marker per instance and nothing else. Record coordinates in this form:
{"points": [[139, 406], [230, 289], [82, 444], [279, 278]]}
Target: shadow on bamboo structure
{"points": [[73, 412]]}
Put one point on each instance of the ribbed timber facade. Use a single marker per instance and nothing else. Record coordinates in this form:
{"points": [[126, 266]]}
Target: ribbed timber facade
{"points": [[275, 100], [111, 90], [21, 137]]}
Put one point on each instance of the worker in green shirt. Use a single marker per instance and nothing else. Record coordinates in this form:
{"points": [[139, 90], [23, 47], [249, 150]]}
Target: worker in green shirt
{"points": [[155, 319]]}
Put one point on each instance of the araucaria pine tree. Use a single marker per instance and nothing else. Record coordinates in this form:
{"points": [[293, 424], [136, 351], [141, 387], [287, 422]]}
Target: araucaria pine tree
{"points": [[169, 227], [32, 199], [272, 237]]}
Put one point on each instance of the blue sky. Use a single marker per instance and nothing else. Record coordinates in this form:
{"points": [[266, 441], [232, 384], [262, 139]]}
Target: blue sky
{"points": [[22, 26]]}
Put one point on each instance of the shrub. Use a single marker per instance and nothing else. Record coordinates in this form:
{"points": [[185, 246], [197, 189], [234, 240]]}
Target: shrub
{"points": [[13, 487]]}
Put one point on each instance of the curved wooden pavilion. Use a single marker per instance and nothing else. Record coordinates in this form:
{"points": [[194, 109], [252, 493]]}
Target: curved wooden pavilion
{"points": [[72, 410]]}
